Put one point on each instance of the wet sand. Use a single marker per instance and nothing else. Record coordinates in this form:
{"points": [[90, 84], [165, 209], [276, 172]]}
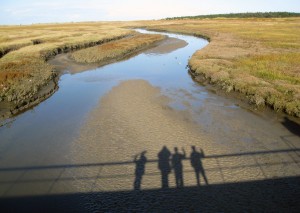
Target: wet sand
{"points": [[135, 117], [63, 63], [167, 46]]}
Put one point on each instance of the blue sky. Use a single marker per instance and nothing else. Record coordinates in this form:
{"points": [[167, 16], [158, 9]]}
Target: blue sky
{"points": [[41, 11]]}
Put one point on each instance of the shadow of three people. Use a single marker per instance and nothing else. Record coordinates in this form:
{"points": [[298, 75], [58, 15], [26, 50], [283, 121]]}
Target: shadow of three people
{"points": [[176, 163], [165, 167]]}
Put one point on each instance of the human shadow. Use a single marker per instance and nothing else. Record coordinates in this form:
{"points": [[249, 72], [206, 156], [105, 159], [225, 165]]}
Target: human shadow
{"points": [[196, 162], [267, 195], [140, 161], [178, 167], [164, 166]]}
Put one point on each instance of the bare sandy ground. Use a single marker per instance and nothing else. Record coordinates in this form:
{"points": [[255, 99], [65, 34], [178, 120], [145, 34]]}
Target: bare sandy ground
{"points": [[63, 63], [135, 117], [114, 165], [167, 46], [132, 118]]}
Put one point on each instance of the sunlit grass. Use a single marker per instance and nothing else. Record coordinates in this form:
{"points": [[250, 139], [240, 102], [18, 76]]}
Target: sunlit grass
{"points": [[115, 49], [256, 57], [24, 51], [259, 58], [273, 67]]}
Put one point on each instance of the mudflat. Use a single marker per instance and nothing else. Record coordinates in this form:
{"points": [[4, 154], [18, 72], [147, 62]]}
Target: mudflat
{"points": [[127, 133], [134, 117]]}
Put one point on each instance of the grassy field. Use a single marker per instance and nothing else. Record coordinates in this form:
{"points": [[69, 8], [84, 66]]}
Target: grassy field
{"points": [[24, 70], [259, 58], [256, 57], [25, 49], [116, 49]]}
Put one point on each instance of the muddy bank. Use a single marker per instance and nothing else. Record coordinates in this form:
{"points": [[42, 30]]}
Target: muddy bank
{"points": [[9, 109], [244, 101]]}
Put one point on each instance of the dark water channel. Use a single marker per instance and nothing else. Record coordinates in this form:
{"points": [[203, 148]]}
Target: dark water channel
{"points": [[42, 136]]}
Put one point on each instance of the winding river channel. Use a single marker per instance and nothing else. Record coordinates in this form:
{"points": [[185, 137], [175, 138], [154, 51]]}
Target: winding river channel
{"points": [[104, 130]]}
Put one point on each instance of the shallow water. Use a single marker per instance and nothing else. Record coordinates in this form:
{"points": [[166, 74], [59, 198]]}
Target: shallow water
{"points": [[42, 137], [36, 136]]}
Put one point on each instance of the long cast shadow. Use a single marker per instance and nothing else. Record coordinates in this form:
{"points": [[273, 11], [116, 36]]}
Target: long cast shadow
{"points": [[276, 195], [68, 166], [177, 159], [140, 161], [164, 166], [196, 162]]}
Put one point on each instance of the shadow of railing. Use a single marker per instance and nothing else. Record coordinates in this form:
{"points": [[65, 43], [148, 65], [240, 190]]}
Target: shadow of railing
{"points": [[217, 196], [69, 166]]}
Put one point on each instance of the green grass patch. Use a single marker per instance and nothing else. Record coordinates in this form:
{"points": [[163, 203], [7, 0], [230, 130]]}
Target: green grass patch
{"points": [[273, 67]]}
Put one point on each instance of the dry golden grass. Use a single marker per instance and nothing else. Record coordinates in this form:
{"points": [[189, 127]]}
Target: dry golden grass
{"points": [[24, 51], [115, 49], [259, 58], [256, 57]]}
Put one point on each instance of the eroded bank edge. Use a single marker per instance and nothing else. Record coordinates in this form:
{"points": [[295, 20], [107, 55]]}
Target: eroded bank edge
{"points": [[10, 110], [222, 86]]}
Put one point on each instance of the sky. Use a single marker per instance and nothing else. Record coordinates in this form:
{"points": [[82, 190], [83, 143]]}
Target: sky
{"points": [[42, 11]]}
